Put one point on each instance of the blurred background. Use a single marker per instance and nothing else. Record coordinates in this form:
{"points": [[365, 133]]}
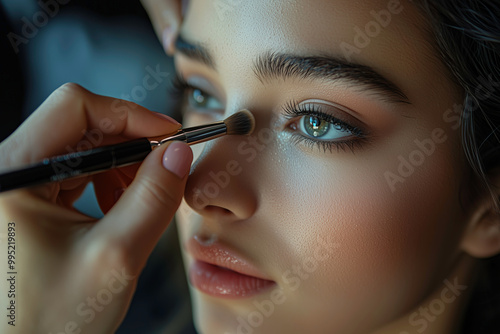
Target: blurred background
{"points": [[109, 47]]}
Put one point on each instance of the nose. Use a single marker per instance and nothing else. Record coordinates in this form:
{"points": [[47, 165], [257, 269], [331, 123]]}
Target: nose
{"points": [[220, 186]]}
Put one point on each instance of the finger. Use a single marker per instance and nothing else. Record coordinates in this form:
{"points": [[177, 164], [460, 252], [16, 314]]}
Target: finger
{"points": [[73, 118], [166, 16], [71, 193], [144, 211], [109, 187]]}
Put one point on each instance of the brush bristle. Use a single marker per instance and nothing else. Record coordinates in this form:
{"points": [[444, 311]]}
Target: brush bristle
{"points": [[240, 123]]}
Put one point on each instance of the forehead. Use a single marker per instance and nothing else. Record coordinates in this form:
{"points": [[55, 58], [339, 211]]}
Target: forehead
{"points": [[308, 25], [391, 36]]}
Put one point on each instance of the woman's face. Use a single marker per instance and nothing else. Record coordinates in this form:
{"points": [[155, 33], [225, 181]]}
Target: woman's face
{"points": [[341, 212]]}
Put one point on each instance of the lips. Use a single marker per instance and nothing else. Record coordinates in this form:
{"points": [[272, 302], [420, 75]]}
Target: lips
{"points": [[220, 272]]}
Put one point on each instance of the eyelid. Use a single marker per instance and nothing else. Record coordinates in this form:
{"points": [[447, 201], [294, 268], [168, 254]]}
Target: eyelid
{"points": [[335, 114], [338, 111], [205, 85]]}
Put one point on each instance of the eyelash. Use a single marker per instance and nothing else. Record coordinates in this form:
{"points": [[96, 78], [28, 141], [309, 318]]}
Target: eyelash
{"points": [[180, 86], [295, 110]]}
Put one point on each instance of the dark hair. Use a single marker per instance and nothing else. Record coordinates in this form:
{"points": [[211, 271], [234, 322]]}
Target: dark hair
{"points": [[467, 38]]}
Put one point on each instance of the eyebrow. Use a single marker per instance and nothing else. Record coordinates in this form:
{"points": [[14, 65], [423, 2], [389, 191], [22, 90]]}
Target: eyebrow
{"points": [[195, 51], [274, 65]]}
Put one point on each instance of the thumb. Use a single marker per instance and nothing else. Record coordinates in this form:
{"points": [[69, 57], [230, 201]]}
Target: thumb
{"points": [[142, 214]]}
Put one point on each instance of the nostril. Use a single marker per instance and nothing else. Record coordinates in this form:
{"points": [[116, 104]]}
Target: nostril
{"points": [[218, 210]]}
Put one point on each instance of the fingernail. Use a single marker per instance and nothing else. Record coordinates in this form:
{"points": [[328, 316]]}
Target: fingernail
{"points": [[168, 118], [118, 193], [177, 158], [167, 38]]}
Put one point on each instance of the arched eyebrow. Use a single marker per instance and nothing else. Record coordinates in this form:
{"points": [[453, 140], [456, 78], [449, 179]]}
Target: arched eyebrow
{"points": [[274, 65]]}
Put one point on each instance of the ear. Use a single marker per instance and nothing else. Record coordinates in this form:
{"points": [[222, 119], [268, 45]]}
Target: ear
{"points": [[482, 236]]}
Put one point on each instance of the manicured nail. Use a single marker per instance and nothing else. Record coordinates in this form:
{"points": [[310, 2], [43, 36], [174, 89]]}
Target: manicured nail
{"points": [[177, 158], [167, 37], [168, 118]]}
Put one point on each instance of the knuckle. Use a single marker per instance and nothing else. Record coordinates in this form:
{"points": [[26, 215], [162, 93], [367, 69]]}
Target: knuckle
{"points": [[108, 253], [72, 89], [69, 93], [117, 253], [77, 98]]}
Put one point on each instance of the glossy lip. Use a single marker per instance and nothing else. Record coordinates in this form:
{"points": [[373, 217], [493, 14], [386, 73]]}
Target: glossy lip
{"points": [[222, 256]]}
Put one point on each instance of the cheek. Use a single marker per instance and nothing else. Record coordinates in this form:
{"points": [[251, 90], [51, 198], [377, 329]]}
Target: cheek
{"points": [[384, 246]]}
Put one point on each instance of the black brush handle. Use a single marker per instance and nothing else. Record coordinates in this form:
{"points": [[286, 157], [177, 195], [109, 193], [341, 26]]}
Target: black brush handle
{"points": [[77, 164]]}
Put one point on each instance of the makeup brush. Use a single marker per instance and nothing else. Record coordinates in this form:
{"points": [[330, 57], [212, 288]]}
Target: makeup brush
{"points": [[106, 157]]}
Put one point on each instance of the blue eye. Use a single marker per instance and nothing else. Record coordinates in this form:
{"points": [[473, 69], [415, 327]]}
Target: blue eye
{"points": [[317, 128]]}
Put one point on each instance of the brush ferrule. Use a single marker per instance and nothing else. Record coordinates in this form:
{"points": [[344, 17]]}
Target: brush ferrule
{"points": [[194, 135]]}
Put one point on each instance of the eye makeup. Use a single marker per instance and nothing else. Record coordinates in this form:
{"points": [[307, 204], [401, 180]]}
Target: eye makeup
{"points": [[313, 120], [200, 97], [314, 123]]}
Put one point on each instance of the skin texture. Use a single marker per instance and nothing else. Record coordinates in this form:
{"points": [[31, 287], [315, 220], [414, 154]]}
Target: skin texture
{"points": [[389, 250], [349, 251]]}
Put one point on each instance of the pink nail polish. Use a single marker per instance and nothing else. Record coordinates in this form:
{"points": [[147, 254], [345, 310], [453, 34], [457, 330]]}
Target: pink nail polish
{"points": [[177, 158]]}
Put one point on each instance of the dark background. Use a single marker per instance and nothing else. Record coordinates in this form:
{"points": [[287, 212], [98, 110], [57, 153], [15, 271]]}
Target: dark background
{"points": [[105, 46]]}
